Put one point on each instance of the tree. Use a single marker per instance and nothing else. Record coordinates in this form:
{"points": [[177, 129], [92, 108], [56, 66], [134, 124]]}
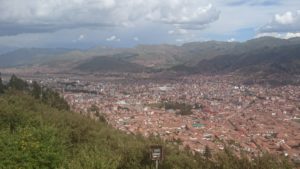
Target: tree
{"points": [[36, 90], [2, 87], [17, 83], [207, 152], [94, 109], [53, 99]]}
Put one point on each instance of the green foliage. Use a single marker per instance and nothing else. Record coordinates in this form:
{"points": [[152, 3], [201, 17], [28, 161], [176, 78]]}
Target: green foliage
{"points": [[100, 116], [24, 141], [30, 147], [207, 152], [184, 109], [36, 90], [94, 108], [17, 83], [2, 87], [53, 99], [47, 95], [36, 135]]}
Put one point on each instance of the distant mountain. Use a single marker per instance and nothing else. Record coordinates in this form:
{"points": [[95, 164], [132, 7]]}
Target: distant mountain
{"points": [[198, 51], [158, 56], [265, 55], [29, 56], [167, 56], [284, 59], [272, 65], [109, 64], [6, 49]]}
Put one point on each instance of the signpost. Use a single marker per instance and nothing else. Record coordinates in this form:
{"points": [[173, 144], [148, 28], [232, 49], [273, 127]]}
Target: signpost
{"points": [[156, 154]]}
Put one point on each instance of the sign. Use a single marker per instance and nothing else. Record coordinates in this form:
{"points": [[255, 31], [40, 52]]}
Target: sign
{"points": [[156, 152]]}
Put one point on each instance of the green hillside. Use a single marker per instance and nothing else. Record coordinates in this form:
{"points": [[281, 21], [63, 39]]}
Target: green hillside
{"points": [[110, 64], [36, 132]]}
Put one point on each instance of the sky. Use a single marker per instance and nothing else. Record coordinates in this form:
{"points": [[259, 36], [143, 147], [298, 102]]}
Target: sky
{"points": [[127, 23]]}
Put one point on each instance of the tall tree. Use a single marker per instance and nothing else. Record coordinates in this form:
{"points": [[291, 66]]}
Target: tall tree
{"points": [[207, 152], [2, 87], [17, 83], [36, 90]]}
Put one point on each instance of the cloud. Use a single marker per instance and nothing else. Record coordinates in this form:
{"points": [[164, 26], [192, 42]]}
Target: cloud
{"points": [[253, 2], [31, 16], [136, 38], [180, 41], [287, 35], [231, 40], [292, 35], [80, 38], [185, 14], [286, 18], [113, 39], [283, 23], [177, 32]]}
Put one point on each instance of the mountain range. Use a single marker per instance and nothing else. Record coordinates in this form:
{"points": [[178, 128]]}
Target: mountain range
{"points": [[262, 56]]}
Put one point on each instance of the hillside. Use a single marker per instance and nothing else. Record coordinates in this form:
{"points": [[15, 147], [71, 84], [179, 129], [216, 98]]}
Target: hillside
{"points": [[36, 133], [277, 63], [30, 56], [267, 60], [109, 64]]}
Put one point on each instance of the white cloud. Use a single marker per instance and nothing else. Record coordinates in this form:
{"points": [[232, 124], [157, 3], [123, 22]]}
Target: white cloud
{"points": [[231, 40], [19, 16], [273, 34], [178, 32], [283, 23], [184, 14], [179, 40], [287, 35], [113, 38], [286, 18], [136, 38], [292, 35], [252, 2], [80, 38], [171, 32]]}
